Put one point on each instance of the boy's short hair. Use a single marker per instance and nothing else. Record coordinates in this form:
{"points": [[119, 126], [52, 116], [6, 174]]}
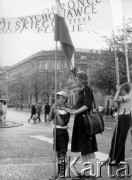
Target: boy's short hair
{"points": [[126, 87]]}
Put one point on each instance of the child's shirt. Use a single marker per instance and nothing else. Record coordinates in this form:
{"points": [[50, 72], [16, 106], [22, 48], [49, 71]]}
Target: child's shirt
{"points": [[65, 116], [125, 105]]}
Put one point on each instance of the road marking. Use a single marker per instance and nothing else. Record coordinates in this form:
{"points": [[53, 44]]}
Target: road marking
{"points": [[128, 158], [99, 155], [25, 164]]}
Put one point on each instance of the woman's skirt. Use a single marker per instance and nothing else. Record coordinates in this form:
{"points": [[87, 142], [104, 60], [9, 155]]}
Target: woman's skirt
{"points": [[81, 141]]}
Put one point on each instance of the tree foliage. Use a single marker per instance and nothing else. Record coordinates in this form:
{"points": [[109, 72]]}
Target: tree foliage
{"points": [[48, 84], [19, 88], [35, 83], [104, 76]]}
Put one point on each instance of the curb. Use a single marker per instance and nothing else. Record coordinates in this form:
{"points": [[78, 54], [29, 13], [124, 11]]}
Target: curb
{"points": [[9, 124]]}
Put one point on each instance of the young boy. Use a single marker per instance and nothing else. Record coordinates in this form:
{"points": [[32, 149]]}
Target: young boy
{"points": [[62, 117]]}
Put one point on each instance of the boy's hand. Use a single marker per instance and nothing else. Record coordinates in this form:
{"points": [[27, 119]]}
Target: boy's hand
{"points": [[56, 111], [54, 107]]}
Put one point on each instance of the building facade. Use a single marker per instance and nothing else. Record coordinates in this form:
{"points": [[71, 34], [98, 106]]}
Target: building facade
{"points": [[43, 62]]}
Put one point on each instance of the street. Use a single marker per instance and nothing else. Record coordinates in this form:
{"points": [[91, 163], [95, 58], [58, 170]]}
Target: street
{"points": [[26, 152]]}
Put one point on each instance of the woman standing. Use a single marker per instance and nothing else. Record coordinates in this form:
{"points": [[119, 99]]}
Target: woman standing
{"points": [[81, 141]]}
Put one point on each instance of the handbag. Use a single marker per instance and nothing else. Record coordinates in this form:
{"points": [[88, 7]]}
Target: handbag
{"points": [[35, 117], [94, 123]]}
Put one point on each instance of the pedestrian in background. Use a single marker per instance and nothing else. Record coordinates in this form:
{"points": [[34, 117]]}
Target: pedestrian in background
{"points": [[101, 110], [33, 112], [107, 111], [117, 150], [46, 111], [62, 137], [39, 110], [4, 111], [1, 112]]}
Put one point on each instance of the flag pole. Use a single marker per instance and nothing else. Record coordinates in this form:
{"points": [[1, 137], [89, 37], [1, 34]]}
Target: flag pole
{"points": [[55, 103], [116, 60], [126, 55], [118, 83]]}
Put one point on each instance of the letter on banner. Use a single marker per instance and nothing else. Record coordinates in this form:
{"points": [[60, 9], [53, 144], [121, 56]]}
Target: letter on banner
{"points": [[79, 15]]}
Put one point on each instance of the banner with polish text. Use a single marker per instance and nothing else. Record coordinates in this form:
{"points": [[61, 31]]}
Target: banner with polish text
{"points": [[80, 15]]}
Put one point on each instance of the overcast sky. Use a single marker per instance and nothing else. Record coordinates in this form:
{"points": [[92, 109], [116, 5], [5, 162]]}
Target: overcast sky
{"points": [[16, 47]]}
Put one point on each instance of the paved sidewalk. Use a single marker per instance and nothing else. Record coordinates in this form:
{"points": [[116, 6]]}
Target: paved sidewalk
{"points": [[9, 124]]}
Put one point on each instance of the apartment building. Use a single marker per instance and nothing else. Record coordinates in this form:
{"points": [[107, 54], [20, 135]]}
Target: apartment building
{"points": [[43, 62]]}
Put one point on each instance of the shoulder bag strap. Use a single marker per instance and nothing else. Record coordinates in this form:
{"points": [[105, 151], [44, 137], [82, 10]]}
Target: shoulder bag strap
{"points": [[93, 103]]}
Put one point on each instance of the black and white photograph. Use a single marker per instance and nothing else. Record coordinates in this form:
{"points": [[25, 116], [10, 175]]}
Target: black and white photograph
{"points": [[65, 89]]}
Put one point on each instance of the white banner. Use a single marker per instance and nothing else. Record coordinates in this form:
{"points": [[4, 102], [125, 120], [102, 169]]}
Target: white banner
{"points": [[80, 15]]}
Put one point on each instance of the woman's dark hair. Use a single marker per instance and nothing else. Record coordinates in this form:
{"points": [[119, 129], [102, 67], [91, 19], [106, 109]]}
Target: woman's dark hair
{"points": [[83, 76]]}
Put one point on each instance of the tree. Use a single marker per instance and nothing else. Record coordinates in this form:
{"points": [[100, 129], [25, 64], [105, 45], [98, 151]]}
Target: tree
{"points": [[48, 84], [19, 88], [104, 75], [41, 84], [63, 80], [35, 84]]}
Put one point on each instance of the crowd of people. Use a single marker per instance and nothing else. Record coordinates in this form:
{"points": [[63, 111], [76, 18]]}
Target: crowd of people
{"points": [[36, 112], [81, 141], [109, 111]]}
